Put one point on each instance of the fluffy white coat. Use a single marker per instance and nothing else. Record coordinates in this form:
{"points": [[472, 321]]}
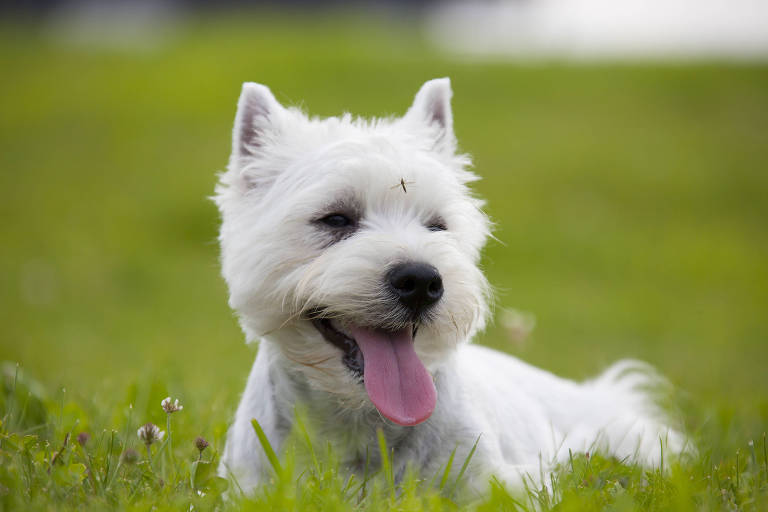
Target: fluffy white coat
{"points": [[399, 177]]}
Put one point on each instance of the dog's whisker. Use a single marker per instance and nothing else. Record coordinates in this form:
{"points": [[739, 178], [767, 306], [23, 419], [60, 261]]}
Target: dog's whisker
{"points": [[314, 366], [455, 325], [288, 320]]}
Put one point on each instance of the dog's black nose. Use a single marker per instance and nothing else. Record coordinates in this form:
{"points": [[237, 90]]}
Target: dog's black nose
{"points": [[417, 285]]}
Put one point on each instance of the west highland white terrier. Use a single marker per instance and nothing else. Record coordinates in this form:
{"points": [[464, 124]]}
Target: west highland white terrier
{"points": [[351, 251]]}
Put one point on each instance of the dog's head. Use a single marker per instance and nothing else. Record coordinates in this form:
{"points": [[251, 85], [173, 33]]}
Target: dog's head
{"points": [[353, 245]]}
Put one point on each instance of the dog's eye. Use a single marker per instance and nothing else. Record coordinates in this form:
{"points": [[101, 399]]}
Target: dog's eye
{"points": [[336, 220], [437, 226]]}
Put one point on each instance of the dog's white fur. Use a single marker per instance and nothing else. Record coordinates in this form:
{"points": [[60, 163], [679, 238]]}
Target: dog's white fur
{"points": [[286, 171]]}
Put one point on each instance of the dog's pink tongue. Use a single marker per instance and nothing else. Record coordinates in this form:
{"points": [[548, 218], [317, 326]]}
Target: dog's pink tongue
{"points": [[395, 379]]}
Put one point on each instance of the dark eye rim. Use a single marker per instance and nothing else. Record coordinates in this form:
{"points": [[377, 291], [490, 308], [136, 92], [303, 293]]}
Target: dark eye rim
{"points": [[337, 220], [437, 225]]}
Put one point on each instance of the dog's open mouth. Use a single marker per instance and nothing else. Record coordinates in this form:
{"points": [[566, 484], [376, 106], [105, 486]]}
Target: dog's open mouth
{"points": [[352, 357], [397, 382]]}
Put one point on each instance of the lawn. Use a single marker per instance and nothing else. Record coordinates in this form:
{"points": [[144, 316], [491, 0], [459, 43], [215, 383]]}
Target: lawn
{"points": [[630, 204]]}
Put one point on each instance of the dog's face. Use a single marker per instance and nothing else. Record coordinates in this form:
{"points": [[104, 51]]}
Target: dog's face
{"points": [[353, 245]]}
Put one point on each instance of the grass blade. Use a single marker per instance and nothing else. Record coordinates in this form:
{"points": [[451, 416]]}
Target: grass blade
{"points": [[267, 447], [308, 440], [464, 466], [447, 471], [386, 463]]}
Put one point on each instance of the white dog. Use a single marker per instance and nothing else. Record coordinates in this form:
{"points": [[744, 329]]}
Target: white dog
{"points": [[350, 248]]}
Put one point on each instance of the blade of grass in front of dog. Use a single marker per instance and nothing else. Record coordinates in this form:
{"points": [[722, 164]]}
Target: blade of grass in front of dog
{"points": [[464, 467], [661, 452], [268, 451], [305, 434], [447, 471], [386, 463]]}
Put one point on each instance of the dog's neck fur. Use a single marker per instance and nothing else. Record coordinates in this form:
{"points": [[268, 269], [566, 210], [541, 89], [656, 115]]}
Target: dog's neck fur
{"points": [[353, 430], [327, 409]]}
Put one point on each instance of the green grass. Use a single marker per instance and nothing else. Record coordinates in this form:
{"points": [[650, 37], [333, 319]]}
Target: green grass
{"points": [[631, 221], [46, 462]]}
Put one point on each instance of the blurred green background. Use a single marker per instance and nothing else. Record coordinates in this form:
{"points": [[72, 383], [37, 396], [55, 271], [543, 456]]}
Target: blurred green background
{"points": [[631, 202]]}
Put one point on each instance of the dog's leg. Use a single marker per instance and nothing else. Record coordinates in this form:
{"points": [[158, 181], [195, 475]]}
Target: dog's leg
{"points": [[243, 459]]}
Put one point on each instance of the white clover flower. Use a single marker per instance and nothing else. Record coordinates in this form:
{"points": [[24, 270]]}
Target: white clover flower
{"points": [[169, 407], [149, 433]]}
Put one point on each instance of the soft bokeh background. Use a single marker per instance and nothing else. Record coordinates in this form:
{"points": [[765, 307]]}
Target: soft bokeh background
{"points": [[631, 199]]}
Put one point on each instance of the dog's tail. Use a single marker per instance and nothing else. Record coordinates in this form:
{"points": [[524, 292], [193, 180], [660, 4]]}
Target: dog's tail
{"points": [[638, 399], [626, 406]]}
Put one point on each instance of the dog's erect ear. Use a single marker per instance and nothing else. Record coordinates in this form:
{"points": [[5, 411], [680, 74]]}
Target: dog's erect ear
{"points": [[432, 107], [255, 123]]}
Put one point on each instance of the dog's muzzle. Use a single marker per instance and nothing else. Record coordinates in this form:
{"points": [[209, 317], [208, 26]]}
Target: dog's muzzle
{"points": [[381, 351]]}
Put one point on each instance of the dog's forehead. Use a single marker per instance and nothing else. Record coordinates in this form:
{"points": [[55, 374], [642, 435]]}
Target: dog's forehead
{"points": [[375, 165], [381, 170]]}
